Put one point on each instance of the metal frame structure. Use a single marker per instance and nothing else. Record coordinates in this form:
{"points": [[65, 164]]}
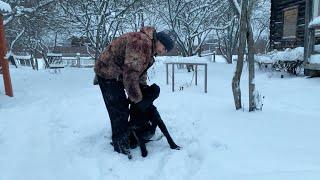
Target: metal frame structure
{"points": [[196, 72]]}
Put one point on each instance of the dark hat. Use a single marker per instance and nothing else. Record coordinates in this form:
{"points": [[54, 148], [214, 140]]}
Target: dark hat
{"points": [[166, 40]]}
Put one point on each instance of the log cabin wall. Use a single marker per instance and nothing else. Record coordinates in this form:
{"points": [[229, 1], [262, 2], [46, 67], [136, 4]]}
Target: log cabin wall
{"points": [[287, 24]]}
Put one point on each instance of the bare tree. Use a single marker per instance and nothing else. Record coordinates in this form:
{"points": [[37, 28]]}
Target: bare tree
{"points": [[260, 21], [246, 37], [27, 15], [228, 38], [251, 63], [29, 25], [191, 21], [142, 14], [242, 44], [99, 21]]}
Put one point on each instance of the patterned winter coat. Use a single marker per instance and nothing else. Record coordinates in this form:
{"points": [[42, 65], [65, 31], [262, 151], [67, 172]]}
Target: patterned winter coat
{"points": [[127, 59]]}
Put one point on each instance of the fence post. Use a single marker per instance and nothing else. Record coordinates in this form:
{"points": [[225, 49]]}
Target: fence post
{"points": [[78, 60], [205, 78], [196, 78], [213, 57], [172, 77], [167, 72], [4, 62]]}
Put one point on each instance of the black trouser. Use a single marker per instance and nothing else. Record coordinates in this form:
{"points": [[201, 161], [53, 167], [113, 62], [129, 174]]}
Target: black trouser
{"points": [[118, 108]]}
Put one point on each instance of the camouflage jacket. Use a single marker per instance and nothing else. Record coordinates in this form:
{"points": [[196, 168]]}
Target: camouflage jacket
{"points": [[127, 59]]}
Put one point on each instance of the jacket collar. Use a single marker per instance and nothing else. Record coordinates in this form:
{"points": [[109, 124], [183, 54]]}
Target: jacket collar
{"points": [[151, 33]]}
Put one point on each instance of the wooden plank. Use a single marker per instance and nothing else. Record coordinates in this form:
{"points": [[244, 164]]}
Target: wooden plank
{"points": [[306, 31], [312, 66], [4, 62]]}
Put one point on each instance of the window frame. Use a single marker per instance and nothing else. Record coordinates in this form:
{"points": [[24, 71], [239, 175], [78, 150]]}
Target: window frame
{"points": [[284, 34]]}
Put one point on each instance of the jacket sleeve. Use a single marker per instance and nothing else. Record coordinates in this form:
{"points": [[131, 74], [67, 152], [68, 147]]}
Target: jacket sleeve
{"points": [[134, 65], [143, 79]]}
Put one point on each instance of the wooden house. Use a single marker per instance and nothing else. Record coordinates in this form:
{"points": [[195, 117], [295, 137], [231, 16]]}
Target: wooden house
{"points": [[287, 24], [312, 36], [290, 28]]}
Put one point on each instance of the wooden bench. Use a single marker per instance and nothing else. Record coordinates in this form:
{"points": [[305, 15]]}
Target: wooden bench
{"points": [[56, 68]]}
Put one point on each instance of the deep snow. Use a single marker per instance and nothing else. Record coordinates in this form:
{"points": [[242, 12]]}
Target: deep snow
{"points": [[57, 127]]}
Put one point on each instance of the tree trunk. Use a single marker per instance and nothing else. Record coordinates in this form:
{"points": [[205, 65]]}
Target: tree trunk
{"points": [[55, 41], [45, 59], [229, 58], [33, 57], [242, 44], [36, 64], [252, 103]]}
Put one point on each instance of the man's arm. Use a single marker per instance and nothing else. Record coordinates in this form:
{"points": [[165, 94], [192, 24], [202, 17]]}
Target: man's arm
{"points": [[134, 65], [143, 79]]}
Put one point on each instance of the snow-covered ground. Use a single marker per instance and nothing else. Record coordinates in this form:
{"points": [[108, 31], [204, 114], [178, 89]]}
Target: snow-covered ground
{"points": [[57, 127]]}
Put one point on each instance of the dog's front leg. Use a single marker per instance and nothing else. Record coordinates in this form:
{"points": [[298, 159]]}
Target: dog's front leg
{"points": [[143, 147], [165, 132], [141, 143]]}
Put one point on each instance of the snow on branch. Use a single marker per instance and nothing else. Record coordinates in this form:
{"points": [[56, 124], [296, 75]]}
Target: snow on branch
{"points": [[5, 7]]}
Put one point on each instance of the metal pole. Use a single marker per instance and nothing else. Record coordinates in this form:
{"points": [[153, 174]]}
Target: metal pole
{"points": [[196, 78], [205, 78], [167, 72], [172, 77]]}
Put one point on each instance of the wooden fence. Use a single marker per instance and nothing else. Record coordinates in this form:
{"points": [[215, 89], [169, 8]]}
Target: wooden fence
{"points": [[58, 60]]}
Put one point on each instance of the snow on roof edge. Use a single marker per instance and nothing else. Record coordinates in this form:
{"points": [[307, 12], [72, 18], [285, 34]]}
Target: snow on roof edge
{"points": [[5, 7]]}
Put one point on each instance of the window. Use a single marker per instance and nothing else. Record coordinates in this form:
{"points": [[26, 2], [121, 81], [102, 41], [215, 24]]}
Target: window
{"points": [[290, 17]]}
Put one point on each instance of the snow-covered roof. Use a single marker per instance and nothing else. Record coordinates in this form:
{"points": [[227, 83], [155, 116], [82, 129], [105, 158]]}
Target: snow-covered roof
{"points": [[315, 22], [4, 7], [26, 57], [54, 54]]}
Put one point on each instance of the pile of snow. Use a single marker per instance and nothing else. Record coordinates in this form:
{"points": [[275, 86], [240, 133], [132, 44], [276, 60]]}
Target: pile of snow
{"points": [[286, 55], [263, 58], [315, 58], [4, 7]]}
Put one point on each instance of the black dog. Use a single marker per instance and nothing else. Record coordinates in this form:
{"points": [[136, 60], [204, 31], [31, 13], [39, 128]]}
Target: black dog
{"points": [[144, 121]]}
